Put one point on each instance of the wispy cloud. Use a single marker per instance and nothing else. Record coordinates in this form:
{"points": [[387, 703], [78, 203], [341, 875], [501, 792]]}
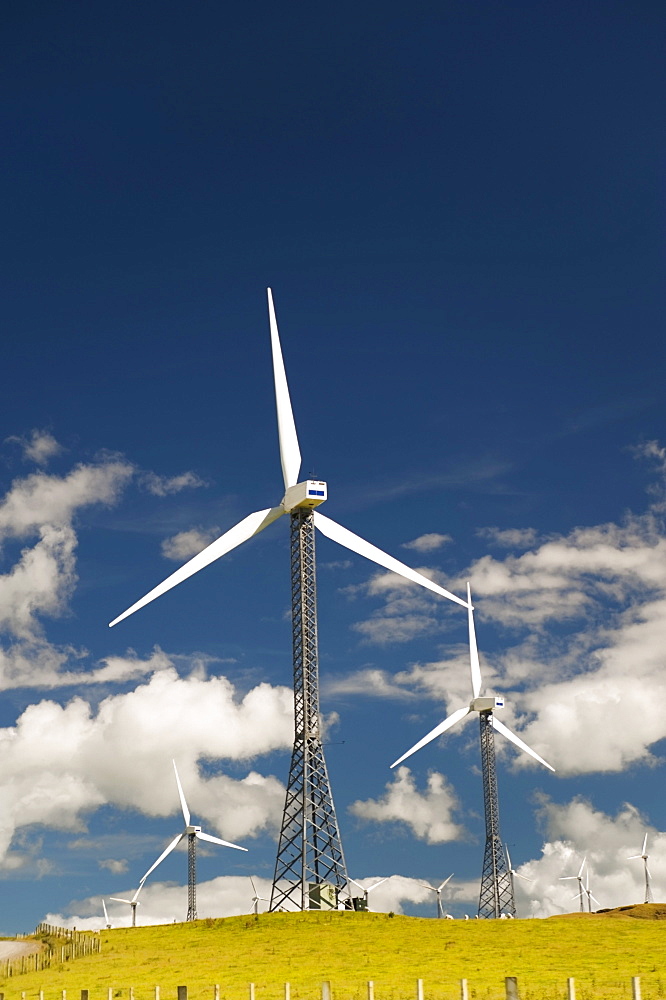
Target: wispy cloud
{"points": [[428, 542], [186, 544], [163, 486], [38, 447]]}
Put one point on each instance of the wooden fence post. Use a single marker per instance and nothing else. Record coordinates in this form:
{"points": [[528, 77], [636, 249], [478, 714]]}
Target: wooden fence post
{"points": [[182, 993], [157, 993], [287, 991], [326, 990], [131, 993], [216, 992], [511, 984], [463, 990], [251, 992], [571, 989], [419, 989], [371, 989], [109, 994], [84, 994], [636, 987]]}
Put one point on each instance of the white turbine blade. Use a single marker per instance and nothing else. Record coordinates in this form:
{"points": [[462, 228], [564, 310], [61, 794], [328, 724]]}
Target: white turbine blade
{"points": [[426, 885], [349, 879], [374, 886], [444, 882], [136, 894], [473, 650], [250, 525], [343, 536], [501, 728], [254, 888], [647, 872], [290, 453], [508, 856], [644, 844], [526, 879], [216, 840], [174, 842], [183, 803], [582, 865], [106, 915], [117, 899], [434, 733], [563, 878], [634, 856]]}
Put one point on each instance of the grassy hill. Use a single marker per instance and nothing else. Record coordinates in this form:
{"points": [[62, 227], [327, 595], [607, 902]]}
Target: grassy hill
{"points": [[602, 952]]}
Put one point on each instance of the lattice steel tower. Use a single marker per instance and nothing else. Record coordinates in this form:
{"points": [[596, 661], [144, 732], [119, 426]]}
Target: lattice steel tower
{"points": [[496, 896], [310, 866], [191, 876]]}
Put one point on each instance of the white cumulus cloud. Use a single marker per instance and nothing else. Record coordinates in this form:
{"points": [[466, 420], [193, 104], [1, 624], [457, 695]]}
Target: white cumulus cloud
{"points": [[428, 814]]}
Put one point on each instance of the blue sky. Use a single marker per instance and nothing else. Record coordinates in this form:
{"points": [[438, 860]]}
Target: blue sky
{"points": [[461, 213]]}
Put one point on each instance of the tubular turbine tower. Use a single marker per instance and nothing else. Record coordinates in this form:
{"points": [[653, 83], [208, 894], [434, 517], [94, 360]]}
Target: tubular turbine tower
{"points": [[310, 868]]}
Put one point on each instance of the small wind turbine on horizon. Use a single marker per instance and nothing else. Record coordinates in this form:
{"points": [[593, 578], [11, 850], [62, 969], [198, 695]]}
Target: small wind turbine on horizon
{"points": [[367, 890], [310, 869], [133, 902], [581, 889], [438, 893], [512, 872], [256, 899], [193, 833], [496, 896], [588, 892], [644, 855]]}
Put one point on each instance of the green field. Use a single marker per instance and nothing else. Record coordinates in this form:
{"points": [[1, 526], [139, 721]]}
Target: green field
{"points": [[602, 952]]}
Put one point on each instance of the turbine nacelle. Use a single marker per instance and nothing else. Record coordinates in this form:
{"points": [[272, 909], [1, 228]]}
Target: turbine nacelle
{"points": [[485, 704], [189, 830], [309, 494]]}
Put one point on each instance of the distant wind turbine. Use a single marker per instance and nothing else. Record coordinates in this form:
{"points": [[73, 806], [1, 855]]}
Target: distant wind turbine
{"points": [[496, 896], [588, 892], [133, 902], [369, 889], [438, 893], [644, 855], [310, 862], [580, 894], [193, 833], [513, 872], [256, 899]]}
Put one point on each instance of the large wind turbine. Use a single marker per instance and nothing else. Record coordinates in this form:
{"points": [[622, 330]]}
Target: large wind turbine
{"points": [[310, 868], [496, 897], [193, 833]]}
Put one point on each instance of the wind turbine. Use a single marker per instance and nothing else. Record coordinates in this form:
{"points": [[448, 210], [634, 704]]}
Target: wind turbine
{"points": [[106, 916], [368, 890], [496, 896], [256, 899], [193, 833], [133, 902], [512, 872], [588, 892], [310, 867], [644, 855], [438, 893], [581, 890]]}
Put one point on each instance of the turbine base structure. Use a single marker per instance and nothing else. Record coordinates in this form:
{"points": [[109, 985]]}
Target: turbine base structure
{"points": [[191, 876], [310, 867], [496, 896]]}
